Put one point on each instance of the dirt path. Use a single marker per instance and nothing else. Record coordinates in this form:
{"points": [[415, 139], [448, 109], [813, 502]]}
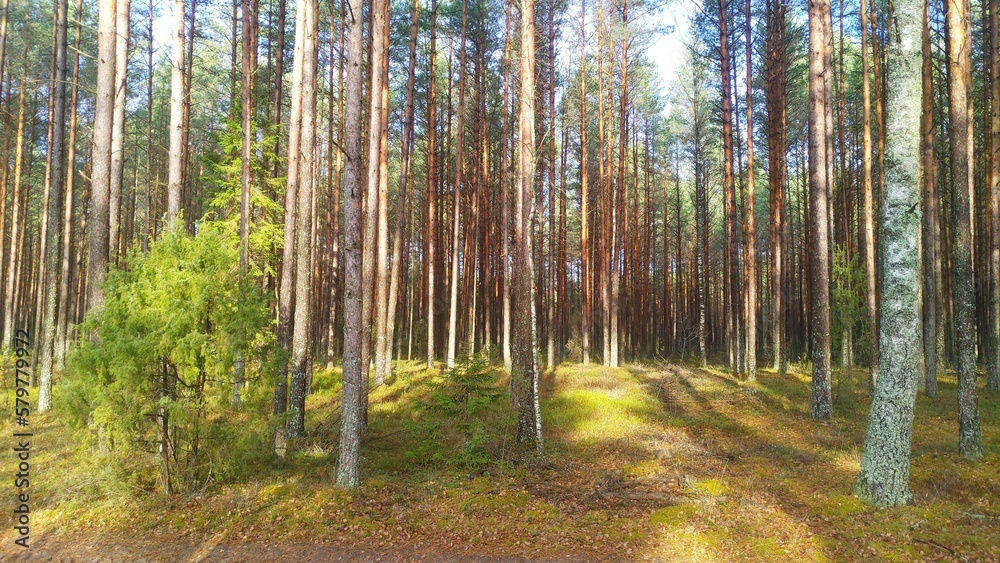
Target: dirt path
{"points": [[169, 549]]}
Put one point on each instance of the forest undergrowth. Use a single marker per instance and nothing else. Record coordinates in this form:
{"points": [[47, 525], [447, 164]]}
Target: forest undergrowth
{"points": [[650, 461]]}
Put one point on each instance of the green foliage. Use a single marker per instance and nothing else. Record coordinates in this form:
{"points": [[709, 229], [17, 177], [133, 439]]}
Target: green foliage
{"points": [[847, 308], [161, 352], [463, 419], [223, 187]]}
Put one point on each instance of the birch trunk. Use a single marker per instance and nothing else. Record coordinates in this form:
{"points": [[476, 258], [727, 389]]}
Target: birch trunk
{"points": [[885, 462]]}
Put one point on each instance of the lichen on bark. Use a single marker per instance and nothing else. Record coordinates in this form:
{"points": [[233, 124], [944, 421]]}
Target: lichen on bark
{"points": [[885, 463]]}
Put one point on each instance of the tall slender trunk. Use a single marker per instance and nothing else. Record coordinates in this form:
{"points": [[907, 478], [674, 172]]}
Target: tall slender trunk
{"points": [[405, 185], [618, 224], [178, 149], [819, 97], [550, 110], [372, 267], [431, 228], [885, 462], [100, 183], [115, 244], [729, 185], [188, 176], [151, 184], [962, 174], [993, 193], [4, 8], [248, 69], [701, 225], [55, 210], [279, 74], [383, 341], [505, 194], [777, 83], [868, 211], [931, 272], [604, 189], [336, 185], [307, 18], [751, 244], [38, 285], [287, 285], [352, 417], [63, 314], [456, 206], [585, 283], [525, 349]]}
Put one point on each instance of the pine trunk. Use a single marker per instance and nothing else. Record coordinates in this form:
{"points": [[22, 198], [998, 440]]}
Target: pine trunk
{"points": [[868, 206], [525, 351], [751, 244], [55, 210], [100, 190], [307, 20], [352, 414], [431, 234], [931, 273], [178, 149], [962, 174], [819, 97]]}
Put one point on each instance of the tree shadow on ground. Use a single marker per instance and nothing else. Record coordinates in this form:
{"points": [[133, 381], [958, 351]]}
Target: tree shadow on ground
{"points": [[797, 471]]}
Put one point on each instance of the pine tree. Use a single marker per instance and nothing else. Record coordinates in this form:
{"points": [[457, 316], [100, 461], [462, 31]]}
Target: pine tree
{"points": [[963, 291], [352, 415]]}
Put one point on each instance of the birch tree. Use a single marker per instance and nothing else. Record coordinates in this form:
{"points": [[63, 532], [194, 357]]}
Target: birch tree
{"points": [[885, 461]]}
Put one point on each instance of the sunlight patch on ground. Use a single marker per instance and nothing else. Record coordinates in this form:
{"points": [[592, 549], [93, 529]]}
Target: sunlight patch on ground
{"points": [[659, 462]]}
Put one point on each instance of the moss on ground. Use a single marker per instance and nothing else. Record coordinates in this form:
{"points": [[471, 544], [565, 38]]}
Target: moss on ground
{"points": [[665, 462]]}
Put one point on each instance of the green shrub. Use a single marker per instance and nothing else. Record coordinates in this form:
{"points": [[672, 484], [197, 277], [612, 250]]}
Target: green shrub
{"points": [[152, 377], [465, 418]]}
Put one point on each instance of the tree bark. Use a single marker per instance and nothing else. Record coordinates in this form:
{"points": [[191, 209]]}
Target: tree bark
{"points": [[729, 185], [751, 244], [525, 349], [868, 211], [993, 192], [819, 97], [55, 210], [374, 244], [931, 271], [248, 69], [4, 8], [100, 191], [63, 314], [352, 415], [505, 196], [178, 149], [550, 313], [457, 206], [405, 185], [287, 284], [777, 84], [885, 462], [115, 245], [383, 341], [431, 234], [308, 19], [962, 174], [585, 283]]}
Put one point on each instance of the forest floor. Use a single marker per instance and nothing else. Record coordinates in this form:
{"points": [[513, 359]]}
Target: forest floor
{"points": [[646, 462]]}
